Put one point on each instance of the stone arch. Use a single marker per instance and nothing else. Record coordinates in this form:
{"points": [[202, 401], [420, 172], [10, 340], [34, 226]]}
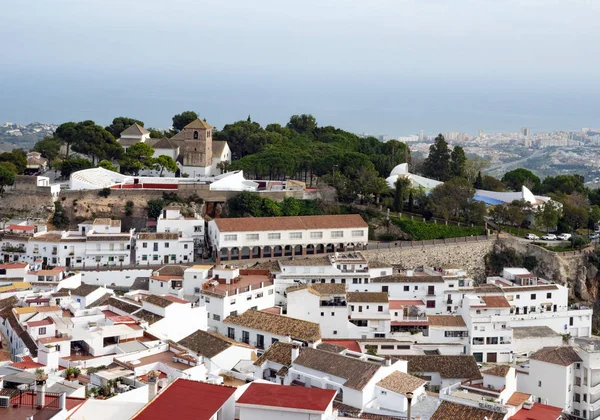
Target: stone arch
{"points": [[340, 248], [255, 252], [310, 249], [298, 250], [267, 252], [235, 253], [288, 251], [320, 249], [246, 253], [330, 248], [277, 251], [224, 254]]}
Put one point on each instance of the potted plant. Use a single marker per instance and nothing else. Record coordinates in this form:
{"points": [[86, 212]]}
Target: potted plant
{"points": [[76, 371]]}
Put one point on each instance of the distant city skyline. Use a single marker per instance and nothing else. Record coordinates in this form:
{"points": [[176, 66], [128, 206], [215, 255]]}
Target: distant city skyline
{"points": [[391, 67]]}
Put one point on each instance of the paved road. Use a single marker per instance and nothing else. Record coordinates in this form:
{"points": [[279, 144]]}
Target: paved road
{"points": [[508, 166]]}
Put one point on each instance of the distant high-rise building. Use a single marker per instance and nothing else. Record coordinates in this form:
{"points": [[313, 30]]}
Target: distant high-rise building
{"points": [[481, 133], [421, 135], [525, 132]]}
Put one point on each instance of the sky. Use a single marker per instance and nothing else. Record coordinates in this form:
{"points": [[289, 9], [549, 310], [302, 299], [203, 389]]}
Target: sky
{"points": [[383, 67]]}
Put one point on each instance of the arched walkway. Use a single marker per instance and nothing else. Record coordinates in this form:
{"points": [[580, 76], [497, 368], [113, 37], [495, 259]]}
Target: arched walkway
{"points": [[235, 253], [256, 252], [288, 250], [320, 249], [277, 251], [298, 250], [310, 249], [330, 248], [267, 252]]}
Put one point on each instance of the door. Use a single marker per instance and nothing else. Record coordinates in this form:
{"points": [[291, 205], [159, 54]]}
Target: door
{"points": [[68, 262], [166, 259], [491, 357]]}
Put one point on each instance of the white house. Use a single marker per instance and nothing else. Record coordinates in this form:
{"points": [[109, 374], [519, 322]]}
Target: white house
{"points": [[164, 248], [262, 237], [262, 401], [171, 220]]}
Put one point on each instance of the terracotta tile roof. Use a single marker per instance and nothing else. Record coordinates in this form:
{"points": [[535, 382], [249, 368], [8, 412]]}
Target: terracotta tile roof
{"points": [[47, 237], [279, 352], [149, 317], [564, 355], [277, 325], [158, 236], [304, 262], [84, 289], [108, 238], [134, 130], [27, 363], [538, 412], [287, 397], [320, 289], [510, 289], [165, 278], [378, 264], [453, 411], [366, 297], [102, 300], [23, 228], [160, 301], [122, 305], [499, 370], [446, 321], [401, 383], [185, 399], [165, 143], [330, 347], [356, 372], [41, 323], [542, 331], [495, 302], [170, 270], [348, 344], [399, 304], [209, 344], [248, 224], [451, 367], [400, 278], [518, 398], [218, 147], [198, 123]]}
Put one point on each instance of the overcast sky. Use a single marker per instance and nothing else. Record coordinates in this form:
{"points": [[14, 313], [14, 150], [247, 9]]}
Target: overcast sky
{"points": [[376, 66]]}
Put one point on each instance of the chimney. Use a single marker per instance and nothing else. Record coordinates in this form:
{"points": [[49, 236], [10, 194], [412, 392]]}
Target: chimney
{"points": [[409, 273], [152, 384], [40, 390], [387, 361], [295, 352]]}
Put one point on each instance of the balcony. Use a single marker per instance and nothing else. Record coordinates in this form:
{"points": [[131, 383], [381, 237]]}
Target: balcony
{"points": [[10, 248], [107, 252], [332, 303]]}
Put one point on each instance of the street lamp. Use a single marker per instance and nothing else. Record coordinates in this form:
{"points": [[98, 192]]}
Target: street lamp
{"points": [[409, 397]]}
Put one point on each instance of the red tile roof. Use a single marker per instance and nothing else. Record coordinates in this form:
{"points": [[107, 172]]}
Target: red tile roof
{"points": [[174, 299], [495, 302], [538, 412], [186, 400], [23, 228], [27, 363], [399, 304], [247, 224], [43, 322], [12, 265], [351, 345], [289, 397]]}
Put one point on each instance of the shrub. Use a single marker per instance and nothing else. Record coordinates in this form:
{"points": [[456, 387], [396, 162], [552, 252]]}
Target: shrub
{"points": [[422, 231], [386, 237], [129, 208], [104, 192]]}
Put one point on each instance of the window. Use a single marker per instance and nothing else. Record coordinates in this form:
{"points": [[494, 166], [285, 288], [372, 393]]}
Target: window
{"points": [[155, 257], [518, 296], [334, 332], [337, 233], [231, 333], [42, 331], [295, 235], [387, 347], [416, 288], [233, 313], [216, 317], [260, 341], [274, 236], [195, 135], [166, 244], [539, 384], [431, 303], [533, 296], [230, 237], [197, 228], [270, 292], [246, 337], [406, 288], [358, 233], [322, 313], [333, 314], [380, 308], [549, 295], [196, 290], [383, 392], [316, 235], [252, 237]]}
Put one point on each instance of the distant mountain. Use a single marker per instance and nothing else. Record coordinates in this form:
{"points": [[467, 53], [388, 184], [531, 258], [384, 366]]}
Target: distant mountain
{"points": [[15, 136]]}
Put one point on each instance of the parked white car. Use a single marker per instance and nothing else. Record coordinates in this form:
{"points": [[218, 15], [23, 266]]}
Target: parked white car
{"points": [[564, 236], [549, 237], [532, 237]]}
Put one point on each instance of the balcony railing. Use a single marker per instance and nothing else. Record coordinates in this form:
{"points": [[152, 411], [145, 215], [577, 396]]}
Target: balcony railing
{"points": [[332, 303], [9, 248]]}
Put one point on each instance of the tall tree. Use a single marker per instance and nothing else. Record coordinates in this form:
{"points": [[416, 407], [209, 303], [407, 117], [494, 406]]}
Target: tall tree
{"points": [[94, 141], [7, 177], [119, 125], [458, 160], [401, 190], [547, 215], [165, 162], [17, 157], [303, 124], [452, 198], [576, 209], [478, 184], [136, 158], [183, 119], [68, 134], [437, 164], [519, 177], [49, 147]]}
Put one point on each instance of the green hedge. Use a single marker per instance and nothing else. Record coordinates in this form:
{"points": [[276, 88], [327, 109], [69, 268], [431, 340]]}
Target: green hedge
{"points": [[422, 231]]}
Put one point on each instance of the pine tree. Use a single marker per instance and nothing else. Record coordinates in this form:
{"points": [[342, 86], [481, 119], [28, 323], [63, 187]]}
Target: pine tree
{"points": [[437, 164]]}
